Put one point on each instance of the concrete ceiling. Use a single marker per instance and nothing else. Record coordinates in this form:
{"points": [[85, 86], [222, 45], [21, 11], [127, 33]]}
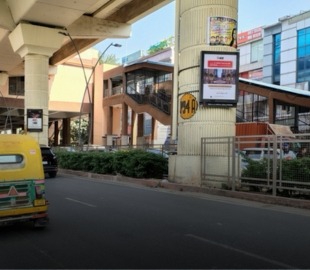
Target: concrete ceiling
{"points": [[88, 22]]}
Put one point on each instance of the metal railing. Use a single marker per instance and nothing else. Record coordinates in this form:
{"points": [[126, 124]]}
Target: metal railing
{"points": [[275, 165]]}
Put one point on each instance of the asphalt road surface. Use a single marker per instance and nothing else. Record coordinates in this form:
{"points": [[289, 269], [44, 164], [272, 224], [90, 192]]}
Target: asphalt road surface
{"points": [[108, 225]]}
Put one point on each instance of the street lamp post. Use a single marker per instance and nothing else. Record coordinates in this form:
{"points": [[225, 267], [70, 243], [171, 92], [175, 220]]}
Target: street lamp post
{"points": [[87, 81], [90, 121]]}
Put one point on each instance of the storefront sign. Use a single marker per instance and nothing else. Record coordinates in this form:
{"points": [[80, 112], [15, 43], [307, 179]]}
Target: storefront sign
{"points": [[250, 35]]}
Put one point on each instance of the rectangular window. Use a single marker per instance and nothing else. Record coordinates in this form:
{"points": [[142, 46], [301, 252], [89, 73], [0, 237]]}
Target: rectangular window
{"points": [[276, 58], [17, 86], [11, 158], [303, 55], [257, 51]]}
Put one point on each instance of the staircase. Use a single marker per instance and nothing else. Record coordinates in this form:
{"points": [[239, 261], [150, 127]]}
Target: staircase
{"points": [[157, 105]]}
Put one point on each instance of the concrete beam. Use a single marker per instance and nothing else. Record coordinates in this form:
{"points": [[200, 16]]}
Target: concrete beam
{"points": [[6, 19], [33, 39], [90, 27]]}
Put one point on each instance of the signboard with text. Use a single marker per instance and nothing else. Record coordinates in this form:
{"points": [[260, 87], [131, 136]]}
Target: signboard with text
{"points": [[35, 120], [250, 35], [219, 78], [188, 106]]}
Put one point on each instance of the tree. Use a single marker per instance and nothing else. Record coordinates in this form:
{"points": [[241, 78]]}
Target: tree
{"points": [[166, 43], [108, 59], [79, 132]]}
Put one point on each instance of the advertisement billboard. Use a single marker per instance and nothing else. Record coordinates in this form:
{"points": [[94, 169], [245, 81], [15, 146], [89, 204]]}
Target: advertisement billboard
{"points": [[35, 120], [219, 75]]}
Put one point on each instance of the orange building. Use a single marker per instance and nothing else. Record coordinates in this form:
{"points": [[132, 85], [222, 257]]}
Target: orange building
{"points": [[128, 104]]}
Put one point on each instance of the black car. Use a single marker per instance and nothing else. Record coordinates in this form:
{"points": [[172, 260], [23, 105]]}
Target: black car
{"points": [[49, 161]]}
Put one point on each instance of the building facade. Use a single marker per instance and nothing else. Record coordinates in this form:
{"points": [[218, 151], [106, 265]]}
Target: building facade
{"points": [[277, 54], [135, 105], [251, 53]]}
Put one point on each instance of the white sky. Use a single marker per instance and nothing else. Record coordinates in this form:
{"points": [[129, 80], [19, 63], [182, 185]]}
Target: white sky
{"points": [[160, 25]]}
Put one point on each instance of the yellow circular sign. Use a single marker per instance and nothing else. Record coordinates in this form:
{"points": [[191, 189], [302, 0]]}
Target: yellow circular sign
{"points": [[188, 106]]}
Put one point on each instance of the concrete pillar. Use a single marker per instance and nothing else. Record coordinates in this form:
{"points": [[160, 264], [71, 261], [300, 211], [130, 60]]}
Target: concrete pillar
{"points": [[3, 78], [36, 91], [140, 132], [153, 136], [36, 44], [110, 121], [56, 133], [124, 128], [134, 128], [193, 32], [66, 139]]}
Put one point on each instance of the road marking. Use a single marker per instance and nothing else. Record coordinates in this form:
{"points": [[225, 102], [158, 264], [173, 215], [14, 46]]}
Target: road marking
{"points": [[282, 265], [80, 202]]}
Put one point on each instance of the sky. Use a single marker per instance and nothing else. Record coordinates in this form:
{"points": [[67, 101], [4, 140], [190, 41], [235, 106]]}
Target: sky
{"points": [[161, 24]]}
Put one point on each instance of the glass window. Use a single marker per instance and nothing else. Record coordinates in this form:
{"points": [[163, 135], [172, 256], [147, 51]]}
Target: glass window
{"points": [[303, 55], [9, 159], [257, 51], [17, 86], [276, 58]]}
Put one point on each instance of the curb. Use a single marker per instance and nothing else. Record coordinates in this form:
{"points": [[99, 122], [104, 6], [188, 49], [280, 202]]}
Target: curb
{"points": [[158, 183]]}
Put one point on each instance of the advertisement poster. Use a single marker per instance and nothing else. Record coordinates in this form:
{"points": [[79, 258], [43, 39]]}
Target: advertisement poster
{"points": [[34, 119], [222, 32], [219, 77]]}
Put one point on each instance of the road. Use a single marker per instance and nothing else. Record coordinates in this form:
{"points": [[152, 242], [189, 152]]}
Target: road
{"points": [[102, 224]]}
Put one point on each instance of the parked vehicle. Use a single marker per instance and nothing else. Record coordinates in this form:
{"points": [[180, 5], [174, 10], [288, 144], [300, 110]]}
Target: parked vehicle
{"points": [[256, 154], [260, 153], [49, 161], [22, 186], [157, 152]]}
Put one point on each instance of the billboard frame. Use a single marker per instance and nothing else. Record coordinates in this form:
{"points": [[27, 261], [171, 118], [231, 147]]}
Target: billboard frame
{"points": [[219, 77]]}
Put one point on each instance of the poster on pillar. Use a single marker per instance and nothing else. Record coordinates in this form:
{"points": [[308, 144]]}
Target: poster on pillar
{"points": [[222, 31], [34, 120], [219, 78]]}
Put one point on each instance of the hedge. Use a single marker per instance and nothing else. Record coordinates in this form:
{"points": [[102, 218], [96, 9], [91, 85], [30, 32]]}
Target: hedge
{"points": [[132, 163]]}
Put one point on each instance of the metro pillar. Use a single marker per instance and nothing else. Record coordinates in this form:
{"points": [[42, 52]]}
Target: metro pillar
{"points": [[191, 123], [36, 44]]}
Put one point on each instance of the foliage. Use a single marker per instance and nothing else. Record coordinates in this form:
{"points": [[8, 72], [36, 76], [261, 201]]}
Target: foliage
{"points": [[79, 131], [166, 43], [292, 170], [132, 163], [257, 169], [296, 170], [108, 59], [140, 164]]}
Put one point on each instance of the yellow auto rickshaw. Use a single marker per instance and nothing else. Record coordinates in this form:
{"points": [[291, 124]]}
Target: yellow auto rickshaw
{"points": [[22, 183]]}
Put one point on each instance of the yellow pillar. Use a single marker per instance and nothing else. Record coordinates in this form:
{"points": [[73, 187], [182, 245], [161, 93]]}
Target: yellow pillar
{"points": [[193, 35]]}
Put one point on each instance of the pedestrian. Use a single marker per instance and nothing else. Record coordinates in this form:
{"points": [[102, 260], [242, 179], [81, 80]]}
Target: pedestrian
{"points": [[303, 152], [287, 153]]}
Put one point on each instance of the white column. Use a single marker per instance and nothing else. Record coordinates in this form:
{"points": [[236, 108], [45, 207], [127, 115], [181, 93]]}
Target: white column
{"points": [[37, 92], [36, 44], [192, 28]]}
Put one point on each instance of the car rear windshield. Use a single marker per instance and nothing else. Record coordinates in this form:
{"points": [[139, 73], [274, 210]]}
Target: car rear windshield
{"points": [[46, 151]]}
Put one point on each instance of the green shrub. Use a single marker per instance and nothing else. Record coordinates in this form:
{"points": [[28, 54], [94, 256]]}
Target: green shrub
{"points": [[292, 170], [296, 170], [257, 169], [131, 163]]}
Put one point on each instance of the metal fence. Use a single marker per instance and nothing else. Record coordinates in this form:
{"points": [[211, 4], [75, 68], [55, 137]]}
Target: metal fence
{"points": [[278, 165]]}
